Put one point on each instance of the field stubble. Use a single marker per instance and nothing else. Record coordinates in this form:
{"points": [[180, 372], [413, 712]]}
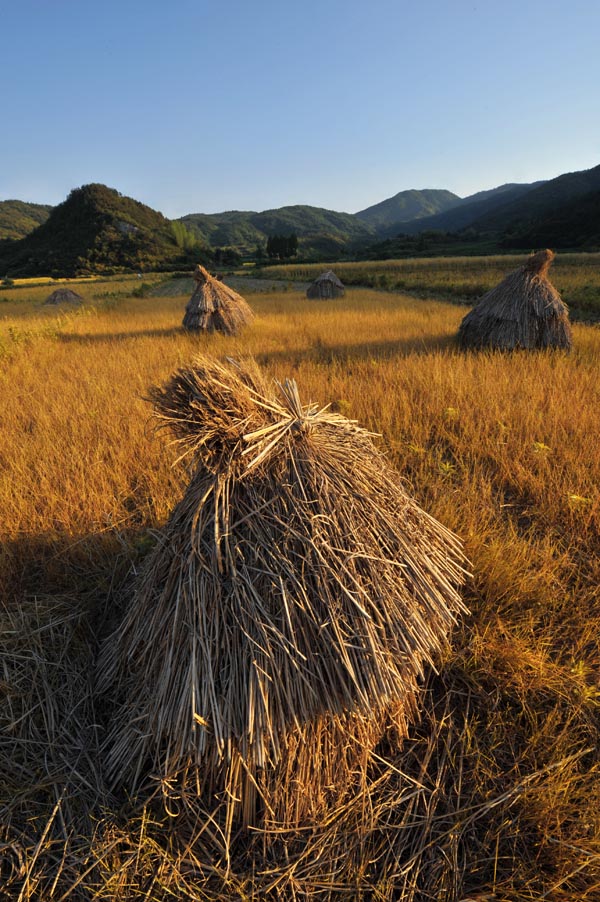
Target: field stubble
{"points": [[500, 793]]}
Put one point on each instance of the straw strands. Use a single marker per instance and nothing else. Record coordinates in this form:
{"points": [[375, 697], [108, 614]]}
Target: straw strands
{"points": [[523, 311], [214, 307], [287, 613]]}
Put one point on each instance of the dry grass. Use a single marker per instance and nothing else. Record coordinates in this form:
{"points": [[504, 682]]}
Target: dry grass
{"points": [[497, 792], [41, 280]]}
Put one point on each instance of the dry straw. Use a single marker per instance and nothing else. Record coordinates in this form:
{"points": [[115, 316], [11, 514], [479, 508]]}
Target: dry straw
{"points": [[523, 311], [214, 307], [63, 296], [327, 285], [287, 612]]}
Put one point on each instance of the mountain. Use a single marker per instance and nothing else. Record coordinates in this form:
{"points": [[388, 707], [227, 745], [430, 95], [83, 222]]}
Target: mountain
{"points": [[563, 212], [407, 205], [319, 231], [18, 218], [520, 214], [574, 225], [461, 216], [95, 229]]}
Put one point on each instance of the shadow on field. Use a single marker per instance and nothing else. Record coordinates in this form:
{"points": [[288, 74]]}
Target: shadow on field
{"points": [[324, 353], [93, 338], [89, 570], [59, 596], [86, 572]]}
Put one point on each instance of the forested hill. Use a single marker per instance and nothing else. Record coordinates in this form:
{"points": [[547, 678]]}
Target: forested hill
{"points": [[408, 205], [574, 225], [96, 229], [18, 218], [462, 215], [540, 202], [319, 231]]}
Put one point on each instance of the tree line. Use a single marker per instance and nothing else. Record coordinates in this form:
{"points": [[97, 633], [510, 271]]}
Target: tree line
{"points": [[282, 247]]}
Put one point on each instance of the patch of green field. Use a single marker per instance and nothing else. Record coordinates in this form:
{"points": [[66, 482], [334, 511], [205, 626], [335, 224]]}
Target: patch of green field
{"points": [[576, 276]]}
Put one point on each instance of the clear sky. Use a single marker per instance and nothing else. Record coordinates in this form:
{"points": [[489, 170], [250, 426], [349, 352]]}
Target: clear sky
{"points": [[210, 105]]}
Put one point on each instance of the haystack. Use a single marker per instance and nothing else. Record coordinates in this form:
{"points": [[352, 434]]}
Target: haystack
{"points": [[327, 285], [523, 311], [214, 307], [286, 615], [63, 296]]}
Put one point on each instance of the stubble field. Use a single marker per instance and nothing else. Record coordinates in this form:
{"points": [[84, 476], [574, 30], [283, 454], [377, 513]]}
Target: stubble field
{"points": [[503, 449]]}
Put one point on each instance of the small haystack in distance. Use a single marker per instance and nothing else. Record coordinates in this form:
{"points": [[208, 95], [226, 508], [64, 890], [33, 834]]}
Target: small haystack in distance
{"points": [[214, 307], [63, 296], [523, 311], [327, 285], [287, 613]]}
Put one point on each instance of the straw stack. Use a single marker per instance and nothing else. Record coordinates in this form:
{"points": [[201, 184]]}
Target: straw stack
{"points": [[288, 611], [214, 307], [63, 296], [325, 286], [524, 311]]}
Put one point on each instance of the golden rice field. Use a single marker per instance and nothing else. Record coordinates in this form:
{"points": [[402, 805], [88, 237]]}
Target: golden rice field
{"points": [[496, 794]]}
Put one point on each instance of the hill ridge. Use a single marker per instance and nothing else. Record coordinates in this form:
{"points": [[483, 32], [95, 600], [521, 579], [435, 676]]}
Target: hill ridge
{"points": [[96, 229]]}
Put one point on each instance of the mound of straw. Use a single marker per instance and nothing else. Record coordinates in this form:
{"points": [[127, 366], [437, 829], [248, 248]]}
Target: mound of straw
{"points": [[214, 307], [63, 296], [327, 285], [287, 613], [523, 311]]}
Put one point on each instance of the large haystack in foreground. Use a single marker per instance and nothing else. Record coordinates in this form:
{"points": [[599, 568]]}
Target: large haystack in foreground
{"points": [[523, 311], [287, 613], [325, 286], [214, 307], [63, 296]]}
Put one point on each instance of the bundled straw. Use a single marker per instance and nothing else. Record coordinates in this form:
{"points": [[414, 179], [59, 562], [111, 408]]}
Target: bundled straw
{"points": [[523, 311], [63, 296], [288, 611], [214, 307], [327, 285]]}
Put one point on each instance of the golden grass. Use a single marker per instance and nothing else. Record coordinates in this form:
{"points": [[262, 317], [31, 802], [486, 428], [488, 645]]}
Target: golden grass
{"points": [[39, 280], [501, 448]]}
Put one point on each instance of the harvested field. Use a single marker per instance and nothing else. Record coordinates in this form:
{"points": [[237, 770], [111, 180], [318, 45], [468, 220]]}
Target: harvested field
{"points": [[244, 284], [495, 794]]}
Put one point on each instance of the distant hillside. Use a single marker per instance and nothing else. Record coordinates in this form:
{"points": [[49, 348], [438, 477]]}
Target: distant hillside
{"points": [[95, 229], [319, 231], [518, 215], [463, 214], [407, 205], [574, 225], [18, 218]]}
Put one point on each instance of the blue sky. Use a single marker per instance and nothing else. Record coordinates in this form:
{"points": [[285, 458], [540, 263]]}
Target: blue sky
{"points": [[210, 105]]}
